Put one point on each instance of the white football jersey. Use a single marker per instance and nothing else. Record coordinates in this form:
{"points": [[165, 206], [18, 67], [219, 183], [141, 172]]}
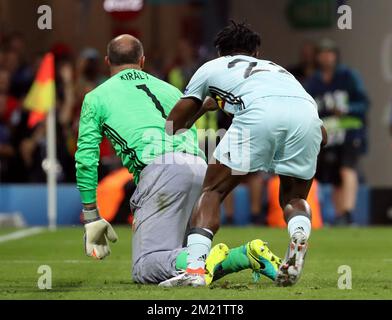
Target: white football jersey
{"points": [[236, 81]]}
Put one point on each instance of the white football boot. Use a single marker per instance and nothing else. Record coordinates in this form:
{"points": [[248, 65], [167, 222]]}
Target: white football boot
{"points": [[291, 268], [185, 279]]}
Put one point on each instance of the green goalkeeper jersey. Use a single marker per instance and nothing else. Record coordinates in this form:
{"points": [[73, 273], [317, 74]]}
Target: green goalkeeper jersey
{"points": [[130, 109]]}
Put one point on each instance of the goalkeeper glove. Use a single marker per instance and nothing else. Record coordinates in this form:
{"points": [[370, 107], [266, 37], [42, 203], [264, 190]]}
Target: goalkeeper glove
{"points": [[97, 232]]}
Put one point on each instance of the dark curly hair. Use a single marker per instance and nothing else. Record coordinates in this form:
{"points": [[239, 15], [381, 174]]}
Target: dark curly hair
{"points": [[237, 38]]}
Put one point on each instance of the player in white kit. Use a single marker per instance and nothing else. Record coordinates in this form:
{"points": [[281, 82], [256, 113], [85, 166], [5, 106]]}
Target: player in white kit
{"points": [[276, 128]]}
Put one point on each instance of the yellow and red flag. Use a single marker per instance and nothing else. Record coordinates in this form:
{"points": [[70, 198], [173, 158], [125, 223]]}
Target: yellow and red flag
{"points": [[42, 95]]}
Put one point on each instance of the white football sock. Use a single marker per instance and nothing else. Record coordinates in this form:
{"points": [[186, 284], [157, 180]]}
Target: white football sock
{"points": [[299, 223], [198, 249]]}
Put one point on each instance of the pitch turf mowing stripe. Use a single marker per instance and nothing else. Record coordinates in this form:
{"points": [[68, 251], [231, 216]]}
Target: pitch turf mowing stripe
{"points": [[21, 234]]}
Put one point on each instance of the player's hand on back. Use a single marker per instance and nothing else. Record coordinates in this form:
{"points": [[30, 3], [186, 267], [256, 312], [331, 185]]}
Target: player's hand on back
{"points": [[209, 104], [97, 232]]}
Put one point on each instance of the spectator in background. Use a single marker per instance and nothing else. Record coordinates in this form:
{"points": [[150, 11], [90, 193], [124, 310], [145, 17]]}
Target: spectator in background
{"points": [[6, 149], [89, 70], [307, 63], [21, 72], [11, 165], [343, 104], [154, 63], [185, 65], [10, 103]]}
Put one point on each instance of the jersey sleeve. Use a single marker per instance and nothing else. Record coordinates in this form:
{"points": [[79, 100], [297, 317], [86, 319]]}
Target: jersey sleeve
{"points": [[198, 85], [87, 154]]}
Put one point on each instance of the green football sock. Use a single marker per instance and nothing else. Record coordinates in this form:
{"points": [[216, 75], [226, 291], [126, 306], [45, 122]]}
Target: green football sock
{"points": [[236, 260], [181, 262]]}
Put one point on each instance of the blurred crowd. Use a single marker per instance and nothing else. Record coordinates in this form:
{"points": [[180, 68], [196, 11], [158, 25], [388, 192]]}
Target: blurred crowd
{"points": [[338, 90], [23, 147]]}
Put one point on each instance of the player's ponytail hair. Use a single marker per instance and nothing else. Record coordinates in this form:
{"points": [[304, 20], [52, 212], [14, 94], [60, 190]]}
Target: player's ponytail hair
{"points": [[237, 38]]}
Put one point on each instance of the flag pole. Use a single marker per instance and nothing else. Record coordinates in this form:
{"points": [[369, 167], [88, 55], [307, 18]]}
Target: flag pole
{"points": [[51, 168], [41, 101]]}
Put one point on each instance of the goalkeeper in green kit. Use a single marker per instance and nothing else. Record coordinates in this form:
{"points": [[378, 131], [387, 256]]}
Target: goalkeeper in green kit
{"points": [[130, 109]]}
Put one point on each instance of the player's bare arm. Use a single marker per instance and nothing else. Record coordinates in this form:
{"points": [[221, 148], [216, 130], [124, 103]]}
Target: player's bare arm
{"points": [[186, 112]]}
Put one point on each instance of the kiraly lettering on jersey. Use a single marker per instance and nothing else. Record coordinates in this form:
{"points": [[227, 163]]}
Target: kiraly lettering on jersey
{"points": [[134, 75]]}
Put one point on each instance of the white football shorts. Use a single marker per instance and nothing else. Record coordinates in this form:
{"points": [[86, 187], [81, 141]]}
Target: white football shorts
{"points": [[277, 134]]}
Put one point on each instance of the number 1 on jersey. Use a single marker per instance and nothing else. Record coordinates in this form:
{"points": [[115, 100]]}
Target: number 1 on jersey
{"points": [[154, 99]]}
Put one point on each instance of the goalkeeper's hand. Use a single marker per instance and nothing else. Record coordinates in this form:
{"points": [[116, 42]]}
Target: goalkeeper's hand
{"points": [[97, 232]]}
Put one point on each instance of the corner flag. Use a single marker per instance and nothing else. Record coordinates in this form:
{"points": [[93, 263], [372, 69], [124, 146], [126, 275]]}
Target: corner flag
{"points": [[41, 100], [42, 95]]}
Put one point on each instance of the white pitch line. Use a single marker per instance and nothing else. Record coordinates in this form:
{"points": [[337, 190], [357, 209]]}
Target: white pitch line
{"points": [[63, 261], [21, 234]]}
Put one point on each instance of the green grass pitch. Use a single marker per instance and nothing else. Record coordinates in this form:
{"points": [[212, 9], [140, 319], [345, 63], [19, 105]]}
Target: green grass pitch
{"points": [[368, 251]]}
